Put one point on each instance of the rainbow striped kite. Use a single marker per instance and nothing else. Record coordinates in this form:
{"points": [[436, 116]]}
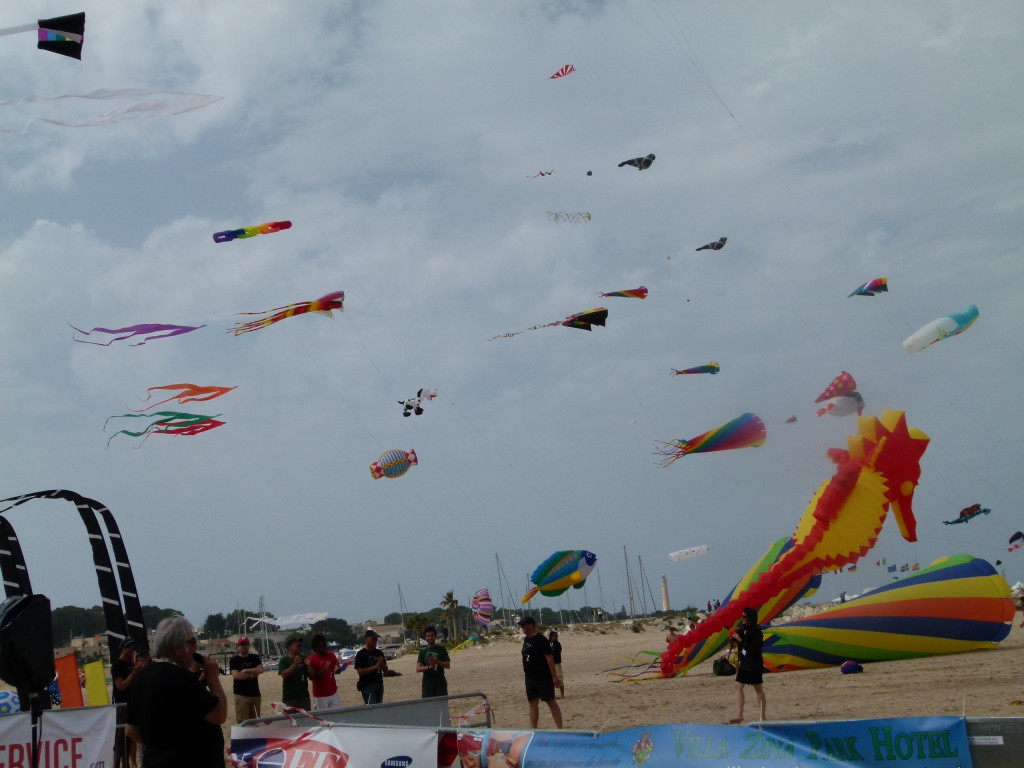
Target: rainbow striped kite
{"points": [[746, 431]]}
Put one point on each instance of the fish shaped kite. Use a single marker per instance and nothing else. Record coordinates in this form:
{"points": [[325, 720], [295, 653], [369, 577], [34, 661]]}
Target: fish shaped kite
{"points": [[149, 332], [682, 554], [746, 431], [415, 404], [324, 305], [841, 397], [187, 393], [711, 368], [581, 320], [168, 423], [877, 474], [61, 34], [238, 234], [872, 287], [393, 464], [718, 245], [482, 606], [575, 217], [968, 514], [640, 163], [564, 569], [629, 293], [568, 69], [944, 327]]}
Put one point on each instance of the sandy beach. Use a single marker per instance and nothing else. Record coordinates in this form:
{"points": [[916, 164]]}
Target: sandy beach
{"points": [[979, 683]]}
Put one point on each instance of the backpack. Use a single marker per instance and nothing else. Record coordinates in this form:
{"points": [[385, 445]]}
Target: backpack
{"points": [[722, 667]]}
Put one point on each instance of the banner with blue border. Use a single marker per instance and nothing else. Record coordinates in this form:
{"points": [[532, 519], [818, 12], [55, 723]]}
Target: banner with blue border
{"points": [[934, 742]]}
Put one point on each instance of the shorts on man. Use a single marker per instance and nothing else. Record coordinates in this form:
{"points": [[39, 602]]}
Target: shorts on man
{"points": [[327, 702], [540, 689], [247, 707]]}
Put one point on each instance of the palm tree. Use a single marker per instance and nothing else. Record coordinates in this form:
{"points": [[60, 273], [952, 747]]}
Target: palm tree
{"points": [[416, 624], [449, 604]]}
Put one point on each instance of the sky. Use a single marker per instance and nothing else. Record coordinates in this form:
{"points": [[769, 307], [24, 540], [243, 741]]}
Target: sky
{"points": [[831, 143]]}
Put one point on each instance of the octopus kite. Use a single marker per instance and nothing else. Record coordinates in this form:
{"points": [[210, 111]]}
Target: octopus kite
{"points": [[568, 69], [149, 332], [872, 287], [324, 305], [877, 474], [711, 368], [629, 293], [746, 431], [187, 393], [169, 423]]}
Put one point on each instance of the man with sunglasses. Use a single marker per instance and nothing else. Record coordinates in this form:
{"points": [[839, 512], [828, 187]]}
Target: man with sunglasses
{"points": [[323, 666], [245, 670]]}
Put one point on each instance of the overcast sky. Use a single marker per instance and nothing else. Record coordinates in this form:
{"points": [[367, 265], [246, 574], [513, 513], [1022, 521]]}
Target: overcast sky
{"points": [[831, 143]]}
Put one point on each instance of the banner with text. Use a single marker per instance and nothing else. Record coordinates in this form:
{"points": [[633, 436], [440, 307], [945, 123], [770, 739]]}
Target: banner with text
{"points": [[15, 739], [77, 737], [938, 742], [339, 747]]}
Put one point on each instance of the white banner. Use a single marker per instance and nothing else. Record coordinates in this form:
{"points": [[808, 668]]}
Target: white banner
{"points": [[15, 739], [341, 746], [80, 737]]}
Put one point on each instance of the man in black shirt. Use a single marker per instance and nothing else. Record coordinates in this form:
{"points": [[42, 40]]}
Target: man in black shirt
{"points": [[539, 669], [245, 668], [122, 673]]}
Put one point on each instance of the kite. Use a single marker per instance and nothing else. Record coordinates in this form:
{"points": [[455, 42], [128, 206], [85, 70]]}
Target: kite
{"points": [[483, 607], [957, 604], [393, 464], [541, 173], [711, 368], [568, 69], [937, 330], [581, 320], [187, 393], [690, 552], [629, 293], [640, 163], [966, 515], [718, 245], [322, 306], [872, 287], [238, 234], [576, 217], [415, 404], [1016, 541], [746, 431], [564, 569], [148, 331], [791, 419], [168, 423], [169, 103], [61, 34], [877, 474], [842, 397]]}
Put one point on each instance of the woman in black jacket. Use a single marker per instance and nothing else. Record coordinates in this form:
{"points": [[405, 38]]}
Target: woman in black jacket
{"points": [[750, 664]]}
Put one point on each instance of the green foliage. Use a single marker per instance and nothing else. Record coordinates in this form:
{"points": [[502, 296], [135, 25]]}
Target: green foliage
{"points": [[336, 630]]}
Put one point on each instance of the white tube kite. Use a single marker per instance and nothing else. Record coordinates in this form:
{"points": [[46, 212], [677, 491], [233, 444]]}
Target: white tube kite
{"points": [[937, 330], [682, 554]]}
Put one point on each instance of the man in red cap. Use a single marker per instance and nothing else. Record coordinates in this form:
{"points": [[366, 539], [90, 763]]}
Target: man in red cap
{"points": [[245, 669]]}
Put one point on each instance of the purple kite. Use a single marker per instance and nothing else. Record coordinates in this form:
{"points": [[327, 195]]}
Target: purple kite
{"points": [[149, 331]]}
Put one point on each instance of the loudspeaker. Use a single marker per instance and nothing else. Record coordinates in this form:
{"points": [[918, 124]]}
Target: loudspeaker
{"points": [[26, 642]]}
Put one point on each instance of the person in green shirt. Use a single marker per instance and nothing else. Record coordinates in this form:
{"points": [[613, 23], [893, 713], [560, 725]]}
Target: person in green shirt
{"points": [[294, 675], [432, 662]]}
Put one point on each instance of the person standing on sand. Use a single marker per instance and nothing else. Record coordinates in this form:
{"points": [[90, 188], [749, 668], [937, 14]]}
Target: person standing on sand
{"points": [[750, 664], [556, 654], [245, 669], [432, 661], [323, 666], [370, 666], [539, 669], [294, 675]]}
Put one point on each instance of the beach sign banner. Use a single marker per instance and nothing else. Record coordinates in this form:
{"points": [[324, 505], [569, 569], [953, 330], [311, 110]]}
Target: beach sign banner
{"points": [[79, 737], [937, 742], [327, 747]]}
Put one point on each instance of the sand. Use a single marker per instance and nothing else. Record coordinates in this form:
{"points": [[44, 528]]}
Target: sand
{"points": [[981, 683]]}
